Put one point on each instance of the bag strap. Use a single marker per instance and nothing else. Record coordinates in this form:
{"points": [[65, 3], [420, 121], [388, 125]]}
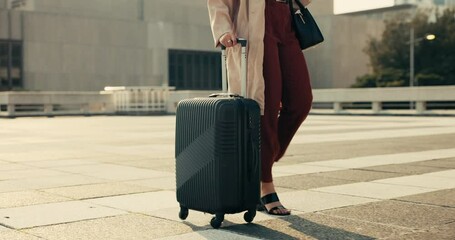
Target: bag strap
{"points": [[291, 5]]}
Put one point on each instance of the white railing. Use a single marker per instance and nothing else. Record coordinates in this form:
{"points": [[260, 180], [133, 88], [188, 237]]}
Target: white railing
{"points": [[343, 100], [163, 100], [363, 100], [15, 104], [139, 100]]}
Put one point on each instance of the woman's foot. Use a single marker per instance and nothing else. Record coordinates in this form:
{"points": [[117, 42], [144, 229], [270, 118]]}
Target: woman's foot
{"points": [[271, 201]]}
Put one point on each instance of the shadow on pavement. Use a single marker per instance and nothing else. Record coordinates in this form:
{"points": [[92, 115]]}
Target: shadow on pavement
{"points": [[294, 227], [320, 231]]}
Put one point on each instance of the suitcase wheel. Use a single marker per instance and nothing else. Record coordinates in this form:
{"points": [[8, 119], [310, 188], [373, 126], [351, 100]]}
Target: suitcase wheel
{"points": [[183, 214], [249, 215], [217, 220]]}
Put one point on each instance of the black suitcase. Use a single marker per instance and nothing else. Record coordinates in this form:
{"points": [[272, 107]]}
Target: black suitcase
{"points": [[217, 152]]}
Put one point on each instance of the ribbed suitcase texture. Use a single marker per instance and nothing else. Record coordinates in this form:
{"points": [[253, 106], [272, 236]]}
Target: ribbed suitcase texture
{"points": [[218, 154]]}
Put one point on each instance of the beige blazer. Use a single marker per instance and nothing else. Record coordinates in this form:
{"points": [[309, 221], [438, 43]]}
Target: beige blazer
{"points": [[247, 19]]}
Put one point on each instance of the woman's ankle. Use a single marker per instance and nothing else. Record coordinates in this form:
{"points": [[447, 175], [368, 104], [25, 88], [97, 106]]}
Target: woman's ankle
{"points": [[267, 187]]}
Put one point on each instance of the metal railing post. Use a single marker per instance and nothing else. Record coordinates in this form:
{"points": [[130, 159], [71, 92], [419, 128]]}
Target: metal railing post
{"points": [[376, 107], [337, 107], [421, 107]]}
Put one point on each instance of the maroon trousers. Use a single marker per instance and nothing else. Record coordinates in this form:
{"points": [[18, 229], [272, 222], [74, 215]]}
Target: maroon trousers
{"points": [[288, 95]]}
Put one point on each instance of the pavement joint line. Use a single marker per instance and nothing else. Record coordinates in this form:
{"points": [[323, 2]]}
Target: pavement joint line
{"points": [[330, 128], [117, 195], [309, 131], [63, 223], [6, 226], [420, 203], [36, 167], [358, 220], [373, 170], [56, 194], [349, 195], [369, 135], [418, 165], [357, 169], [89, 198]]}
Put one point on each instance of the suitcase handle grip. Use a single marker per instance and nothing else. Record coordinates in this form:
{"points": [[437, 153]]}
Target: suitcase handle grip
{"points": [[240, 41], [232, 95]]}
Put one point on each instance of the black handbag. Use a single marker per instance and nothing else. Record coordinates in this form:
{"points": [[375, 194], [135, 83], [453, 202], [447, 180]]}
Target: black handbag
{"points": [[305, 27]]}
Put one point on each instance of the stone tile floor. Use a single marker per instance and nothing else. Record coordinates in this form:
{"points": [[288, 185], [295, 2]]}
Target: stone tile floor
{"points": [[344, 177]]}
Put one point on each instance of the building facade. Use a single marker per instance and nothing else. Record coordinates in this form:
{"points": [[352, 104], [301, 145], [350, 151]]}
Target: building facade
{"points": [[85, 45]]}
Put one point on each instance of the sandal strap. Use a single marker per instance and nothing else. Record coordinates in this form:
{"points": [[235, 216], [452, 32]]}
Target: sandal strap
{"points": [[281, 207], [270, 198]]}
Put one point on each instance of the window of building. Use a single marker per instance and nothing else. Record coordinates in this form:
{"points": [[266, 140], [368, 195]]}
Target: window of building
{"points": [[194, 70], [10, 65]]}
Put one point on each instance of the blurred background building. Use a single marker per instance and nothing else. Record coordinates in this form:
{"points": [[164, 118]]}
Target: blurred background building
{"points": [[85, 45]]}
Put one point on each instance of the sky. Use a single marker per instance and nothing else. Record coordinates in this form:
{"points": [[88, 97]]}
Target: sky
{"points": [[346, 6]]}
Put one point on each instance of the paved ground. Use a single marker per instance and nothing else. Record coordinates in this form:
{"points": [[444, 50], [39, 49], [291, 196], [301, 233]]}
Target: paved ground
{"points": [[344, 177]]}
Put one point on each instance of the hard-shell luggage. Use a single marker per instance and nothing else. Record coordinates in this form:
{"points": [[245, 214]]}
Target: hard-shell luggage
{"points": [[217, 152]]}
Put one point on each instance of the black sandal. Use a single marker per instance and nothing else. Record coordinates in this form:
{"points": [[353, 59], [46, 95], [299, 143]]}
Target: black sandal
{"points": [[271, 198]]}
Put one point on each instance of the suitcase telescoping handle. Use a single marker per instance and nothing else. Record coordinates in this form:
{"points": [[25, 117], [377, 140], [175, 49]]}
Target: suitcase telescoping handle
{"points": [[224, 73]]}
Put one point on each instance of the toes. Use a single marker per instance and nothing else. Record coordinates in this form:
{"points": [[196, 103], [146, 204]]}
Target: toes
{"points": [[282, 211]]}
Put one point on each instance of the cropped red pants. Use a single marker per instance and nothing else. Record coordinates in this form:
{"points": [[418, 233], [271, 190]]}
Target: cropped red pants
{"points": [[288, 95]]}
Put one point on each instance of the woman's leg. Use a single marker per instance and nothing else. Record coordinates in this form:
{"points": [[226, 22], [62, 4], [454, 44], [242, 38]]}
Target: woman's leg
{"points": [[296, 99], [297, 95], [269, 121], [287, 83], [270, 146]]}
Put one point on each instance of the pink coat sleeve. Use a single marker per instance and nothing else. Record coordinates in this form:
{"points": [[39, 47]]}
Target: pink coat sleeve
{"points": [[220, 12], [305, 2]]}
